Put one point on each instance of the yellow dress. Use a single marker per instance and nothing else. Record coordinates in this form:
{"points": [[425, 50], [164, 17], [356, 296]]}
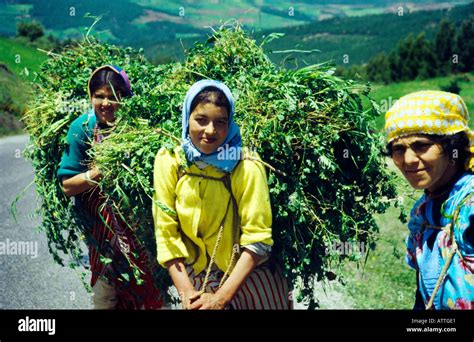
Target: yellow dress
{"points": [[188, 210]]}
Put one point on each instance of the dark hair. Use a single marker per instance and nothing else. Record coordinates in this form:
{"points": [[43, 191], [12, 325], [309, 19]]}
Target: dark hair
{"points": [[211, 95], [455, 146], [107, 77]]}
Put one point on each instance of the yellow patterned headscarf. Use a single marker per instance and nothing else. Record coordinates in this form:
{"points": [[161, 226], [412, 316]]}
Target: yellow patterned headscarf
{"points": [[429, 112]]}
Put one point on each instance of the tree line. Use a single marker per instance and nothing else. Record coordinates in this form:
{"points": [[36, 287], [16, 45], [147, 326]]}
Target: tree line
{"points": [[451, 51]]}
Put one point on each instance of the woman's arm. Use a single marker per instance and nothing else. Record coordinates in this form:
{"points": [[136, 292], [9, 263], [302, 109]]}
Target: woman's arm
{"points": [[169, 243], [181, 281], [245, 265], [78, 183], [171, 250]]}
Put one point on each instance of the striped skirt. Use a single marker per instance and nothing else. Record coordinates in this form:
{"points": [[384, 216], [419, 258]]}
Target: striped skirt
{"points": [[108, 236], [263, 289]]}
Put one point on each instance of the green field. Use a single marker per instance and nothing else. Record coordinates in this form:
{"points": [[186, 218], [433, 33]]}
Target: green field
{"points": [[361, 37], [22, 59], [359, 29], [55, 14], [385, 281], [346, 41], [14, 95], [386, 95], [21, 62]]}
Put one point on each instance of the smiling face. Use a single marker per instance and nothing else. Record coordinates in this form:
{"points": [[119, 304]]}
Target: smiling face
{"points": [[105, 104], [208, 127], [422, 162]]}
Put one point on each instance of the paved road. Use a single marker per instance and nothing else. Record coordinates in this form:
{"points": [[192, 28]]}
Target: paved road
{"points": [[29, 281]]}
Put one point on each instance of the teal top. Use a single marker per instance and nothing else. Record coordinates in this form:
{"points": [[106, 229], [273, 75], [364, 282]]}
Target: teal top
{"points": [[79, 138]]}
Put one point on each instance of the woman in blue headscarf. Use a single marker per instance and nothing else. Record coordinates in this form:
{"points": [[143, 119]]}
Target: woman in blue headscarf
{"points": [[212, 211]]}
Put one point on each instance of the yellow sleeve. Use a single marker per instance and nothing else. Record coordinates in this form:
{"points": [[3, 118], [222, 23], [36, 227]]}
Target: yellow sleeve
{"points": [[168, 238], [253, 199]]}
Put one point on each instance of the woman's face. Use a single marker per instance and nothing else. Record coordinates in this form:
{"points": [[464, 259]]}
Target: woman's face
{"points": [[208, 127], [105, 104], [422, 162]]}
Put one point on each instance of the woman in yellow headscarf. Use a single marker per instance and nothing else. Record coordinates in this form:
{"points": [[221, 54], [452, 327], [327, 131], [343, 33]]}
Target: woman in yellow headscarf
{"points": [[430, 142]]}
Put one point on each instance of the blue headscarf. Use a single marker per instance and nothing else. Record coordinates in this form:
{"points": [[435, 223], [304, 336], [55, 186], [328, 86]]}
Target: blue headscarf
{"points": [[233, 141]]}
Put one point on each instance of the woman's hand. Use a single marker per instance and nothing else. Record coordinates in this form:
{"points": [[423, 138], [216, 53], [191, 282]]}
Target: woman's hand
{"points": [[210, 301], [95, 174], [188, 297], [77, 184], [181, 281]]}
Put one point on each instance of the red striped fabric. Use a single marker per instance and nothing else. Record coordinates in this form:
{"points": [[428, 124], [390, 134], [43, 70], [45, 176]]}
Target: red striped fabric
{"points": [[130, 294], [262, 290]]}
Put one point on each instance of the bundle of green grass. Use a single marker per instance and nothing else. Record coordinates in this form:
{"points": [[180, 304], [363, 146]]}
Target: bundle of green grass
{"points": [[326, 176]]}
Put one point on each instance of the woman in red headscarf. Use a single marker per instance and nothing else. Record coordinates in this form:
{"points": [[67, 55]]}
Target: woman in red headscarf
{"points": [[115, 255]]}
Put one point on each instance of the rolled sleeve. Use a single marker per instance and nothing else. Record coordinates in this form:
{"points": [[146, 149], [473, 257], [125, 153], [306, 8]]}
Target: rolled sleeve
{"points": [[259, 248]]}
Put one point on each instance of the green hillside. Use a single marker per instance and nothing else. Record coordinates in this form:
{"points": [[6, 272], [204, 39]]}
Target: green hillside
{"points": [[10, 13], [142, 23], [18, 63], [360, 38], [386, 95], [22, 59], [14, 94], [354, 38]]}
